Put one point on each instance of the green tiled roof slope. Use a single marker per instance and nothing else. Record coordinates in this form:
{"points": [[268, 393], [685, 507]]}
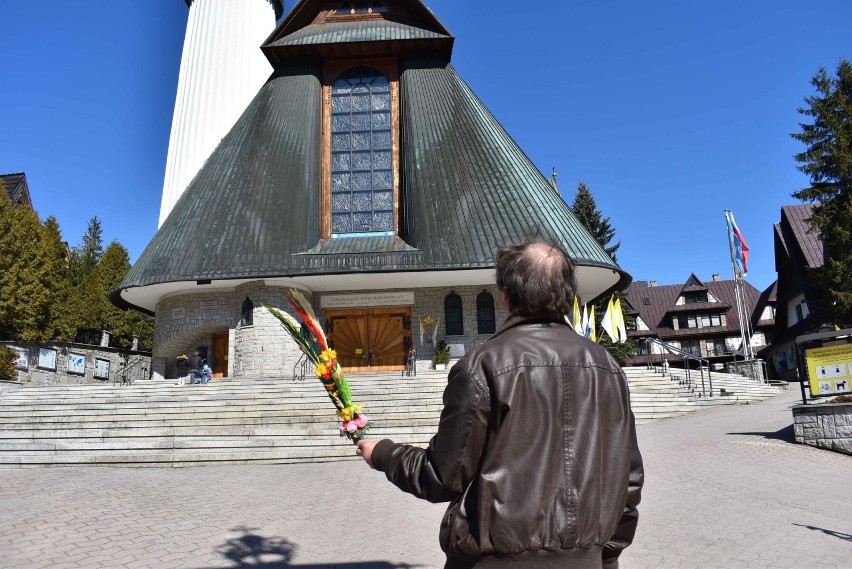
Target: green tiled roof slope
{"points": [[253, 209]]}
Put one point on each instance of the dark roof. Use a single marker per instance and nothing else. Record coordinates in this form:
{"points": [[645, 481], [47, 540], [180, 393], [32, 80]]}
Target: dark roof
{"points": [[663, 301], [796, 230], [253, 210], [277, 4], [17, 188], [307, 31], [352, 32]]}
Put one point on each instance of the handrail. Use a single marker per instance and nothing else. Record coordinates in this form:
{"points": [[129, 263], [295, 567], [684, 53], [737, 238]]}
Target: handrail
{"points": [[300, 369], [124, 374], [410, 364], [687, 356]]}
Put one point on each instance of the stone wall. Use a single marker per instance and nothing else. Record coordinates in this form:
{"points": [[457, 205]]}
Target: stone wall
{"points": [[824, 425], [263, 349], [114, 364]]}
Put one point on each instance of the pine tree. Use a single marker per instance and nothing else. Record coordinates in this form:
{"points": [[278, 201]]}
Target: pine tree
{"points": [[827, 161], [586, 211]]}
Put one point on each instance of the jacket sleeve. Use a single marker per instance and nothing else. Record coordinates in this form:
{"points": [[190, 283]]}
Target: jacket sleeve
{"points": [[441, 472], [626, 529]]}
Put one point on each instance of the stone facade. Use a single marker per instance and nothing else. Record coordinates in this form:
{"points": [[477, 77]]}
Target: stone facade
{"points": [[825, 425], [113, 364], [263, 349]]}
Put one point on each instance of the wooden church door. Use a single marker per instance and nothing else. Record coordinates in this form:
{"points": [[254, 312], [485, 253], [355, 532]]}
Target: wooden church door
{"points": [[370, 340]]}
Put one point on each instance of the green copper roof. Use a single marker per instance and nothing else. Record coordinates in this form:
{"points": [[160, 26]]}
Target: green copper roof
{"points": [[253, 210]]}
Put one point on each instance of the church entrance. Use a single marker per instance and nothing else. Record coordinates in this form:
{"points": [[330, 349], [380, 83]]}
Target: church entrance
{"points": [[220, 355], [370, 340]]}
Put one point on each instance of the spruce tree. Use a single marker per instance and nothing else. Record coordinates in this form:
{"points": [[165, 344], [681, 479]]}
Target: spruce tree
{"points": [[827, 160], [85, 256], [586, 210], [63, 306]]}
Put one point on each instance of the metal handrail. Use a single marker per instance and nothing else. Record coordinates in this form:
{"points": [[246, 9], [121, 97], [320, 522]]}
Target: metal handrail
{"points": [[124, 375], [687, 356], [300, 369], [410, 364]]}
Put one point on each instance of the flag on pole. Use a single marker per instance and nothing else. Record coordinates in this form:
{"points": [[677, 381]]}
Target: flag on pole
{"points": [[578, 320], [620, 325], [592, 335], [584, 323], [608, 322], [739, 248]]}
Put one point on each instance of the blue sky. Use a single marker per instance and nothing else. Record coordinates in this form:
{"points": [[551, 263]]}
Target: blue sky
{"points": [[670, 111]]}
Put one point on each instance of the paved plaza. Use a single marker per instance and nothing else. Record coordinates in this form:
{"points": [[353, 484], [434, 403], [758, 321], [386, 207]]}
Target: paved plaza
{"points": [[725, 488]]}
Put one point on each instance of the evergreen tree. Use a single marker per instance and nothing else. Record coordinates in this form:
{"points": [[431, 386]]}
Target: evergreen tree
{"points": [[586, 211], [26, 293], [85, 256], [63, 309], [827, 161]]}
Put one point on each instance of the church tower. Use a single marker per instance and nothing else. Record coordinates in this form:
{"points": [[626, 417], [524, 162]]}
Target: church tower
{"points": [[221, 70]]}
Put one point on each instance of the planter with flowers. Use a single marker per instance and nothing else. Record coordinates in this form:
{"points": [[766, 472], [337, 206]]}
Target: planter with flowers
{"points": [[441, 358]]}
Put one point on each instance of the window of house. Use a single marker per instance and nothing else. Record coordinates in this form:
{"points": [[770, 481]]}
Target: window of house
{"points": [[453, 315], [646, 301], [247, 314], [691, 346], [708, 320], [486, 323], [714, 347], [360, 7], [695, 297], [362, 191]]}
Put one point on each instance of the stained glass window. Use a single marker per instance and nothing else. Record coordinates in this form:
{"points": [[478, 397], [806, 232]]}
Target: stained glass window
{"points": [[361, 159]]}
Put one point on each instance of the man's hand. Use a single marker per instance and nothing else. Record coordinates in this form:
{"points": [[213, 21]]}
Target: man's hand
{"points": [[365, 451]]}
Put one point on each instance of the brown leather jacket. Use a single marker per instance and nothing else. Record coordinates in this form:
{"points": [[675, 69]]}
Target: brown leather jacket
{"points": [[536, 451]]}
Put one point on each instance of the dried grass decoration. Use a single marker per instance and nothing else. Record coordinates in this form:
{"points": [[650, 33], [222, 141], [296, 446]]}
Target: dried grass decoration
{"points": [[328, 370]]}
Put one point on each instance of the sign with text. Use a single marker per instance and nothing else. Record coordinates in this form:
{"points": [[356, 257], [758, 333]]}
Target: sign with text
{"points": [[829, 369], [332, 301], [22, 360], [456, 350], [47, 358]]}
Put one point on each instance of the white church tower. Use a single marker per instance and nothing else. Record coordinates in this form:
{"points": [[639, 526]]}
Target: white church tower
{"points": [[221, 70]]}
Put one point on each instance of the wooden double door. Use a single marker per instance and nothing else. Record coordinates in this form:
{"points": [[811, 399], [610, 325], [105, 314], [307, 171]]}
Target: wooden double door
{"points": [[370, 340]]}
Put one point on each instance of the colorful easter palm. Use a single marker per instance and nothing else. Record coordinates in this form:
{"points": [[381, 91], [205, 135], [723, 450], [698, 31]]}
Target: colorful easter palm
{"points": [[328, 370]]}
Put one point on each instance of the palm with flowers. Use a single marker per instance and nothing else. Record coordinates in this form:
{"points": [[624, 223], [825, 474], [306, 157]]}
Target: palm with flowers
{"points": [[328, 369]]}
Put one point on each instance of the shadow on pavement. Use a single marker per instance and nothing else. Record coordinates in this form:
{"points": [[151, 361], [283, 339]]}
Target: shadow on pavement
{"points": [[837, 534], [787, 434], [251, 549]]}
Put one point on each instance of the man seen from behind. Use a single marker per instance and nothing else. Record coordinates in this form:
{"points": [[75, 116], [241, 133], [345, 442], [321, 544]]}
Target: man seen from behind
{"points": [[536, 446]]}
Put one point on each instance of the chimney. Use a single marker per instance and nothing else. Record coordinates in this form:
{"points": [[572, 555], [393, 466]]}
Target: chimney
{"points": [[653, 283], [716, 277]]}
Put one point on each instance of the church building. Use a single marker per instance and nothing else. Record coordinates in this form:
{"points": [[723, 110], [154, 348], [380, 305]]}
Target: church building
{"points": [[366, 174]]}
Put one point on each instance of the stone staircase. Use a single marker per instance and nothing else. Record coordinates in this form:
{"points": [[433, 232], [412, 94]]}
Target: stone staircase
{"points": [[260, 421]]}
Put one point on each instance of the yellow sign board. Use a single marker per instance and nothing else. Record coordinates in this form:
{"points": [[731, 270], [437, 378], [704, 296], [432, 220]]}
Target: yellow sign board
{"points": [[830, 369]]}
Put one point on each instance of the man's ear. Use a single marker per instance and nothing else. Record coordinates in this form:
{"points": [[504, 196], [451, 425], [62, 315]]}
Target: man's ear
{"points": [[504, 302]]}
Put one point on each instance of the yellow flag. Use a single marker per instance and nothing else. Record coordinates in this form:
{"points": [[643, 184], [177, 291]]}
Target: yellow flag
{"points": [[592, 335], [578, 321]]}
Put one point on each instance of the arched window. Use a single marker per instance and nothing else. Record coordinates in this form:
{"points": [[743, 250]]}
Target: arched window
{"points": [[362, 198], [453, 315], [247, 318], [486, 323]]}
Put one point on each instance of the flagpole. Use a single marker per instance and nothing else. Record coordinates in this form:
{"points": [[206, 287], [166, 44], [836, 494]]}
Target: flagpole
{"points": [[744, 344]]}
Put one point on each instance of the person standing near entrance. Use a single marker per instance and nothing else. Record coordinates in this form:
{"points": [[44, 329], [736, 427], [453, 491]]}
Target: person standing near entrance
{"points": [[182, 368], [195, 363], [536, 447]]}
